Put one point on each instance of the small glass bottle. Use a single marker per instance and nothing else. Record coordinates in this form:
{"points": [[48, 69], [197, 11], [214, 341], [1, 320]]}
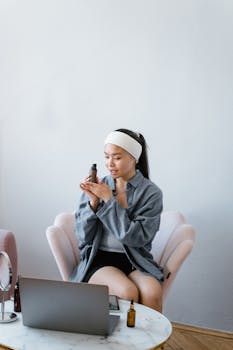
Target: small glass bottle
{"points": [[17, 304], [131, 315], [93, 173]]}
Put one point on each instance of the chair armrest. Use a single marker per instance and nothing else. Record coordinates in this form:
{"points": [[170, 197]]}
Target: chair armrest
{"points": [[62, 251], [178, 248], [169, 222], [66, 222], [184, 233]]}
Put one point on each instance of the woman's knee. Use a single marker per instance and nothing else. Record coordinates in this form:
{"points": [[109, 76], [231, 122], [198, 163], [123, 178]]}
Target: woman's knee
{"points": [[117, 282], [129, 291], [153, 292], [152, 297]]}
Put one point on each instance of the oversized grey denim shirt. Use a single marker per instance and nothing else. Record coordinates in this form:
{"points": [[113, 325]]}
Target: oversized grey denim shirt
{"points": [[134, 226]]}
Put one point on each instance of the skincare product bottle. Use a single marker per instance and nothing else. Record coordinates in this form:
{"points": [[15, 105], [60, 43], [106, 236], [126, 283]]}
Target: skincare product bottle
{"points": [[17, 304], [131, 315], [93, 173]]}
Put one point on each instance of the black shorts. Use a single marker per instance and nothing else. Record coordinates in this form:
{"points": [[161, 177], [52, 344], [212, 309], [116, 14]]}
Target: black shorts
{"points": [[105, 258]]}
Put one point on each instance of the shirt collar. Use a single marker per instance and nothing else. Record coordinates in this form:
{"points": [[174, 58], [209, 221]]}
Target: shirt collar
{"points": [[134, 182], [137, 179]]}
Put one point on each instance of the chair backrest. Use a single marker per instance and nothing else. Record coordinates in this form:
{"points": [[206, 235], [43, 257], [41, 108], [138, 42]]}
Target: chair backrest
{"points": [[8, 245], [172, 244]]}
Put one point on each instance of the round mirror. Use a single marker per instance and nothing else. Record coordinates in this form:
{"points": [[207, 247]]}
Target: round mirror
{"points": [[5, 285]]}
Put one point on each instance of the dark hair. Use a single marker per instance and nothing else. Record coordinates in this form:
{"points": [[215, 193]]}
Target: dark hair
{"points": [[142, 164]]}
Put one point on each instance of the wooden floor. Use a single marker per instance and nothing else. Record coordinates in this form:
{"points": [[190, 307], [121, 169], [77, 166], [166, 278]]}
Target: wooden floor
{"points": [[194, 338]]}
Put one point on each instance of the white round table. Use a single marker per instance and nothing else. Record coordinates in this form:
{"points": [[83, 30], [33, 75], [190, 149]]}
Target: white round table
{"points": [[151, 331]]}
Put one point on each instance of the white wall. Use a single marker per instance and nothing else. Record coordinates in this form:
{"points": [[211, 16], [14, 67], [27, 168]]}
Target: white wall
{"points": [[70, 72]]}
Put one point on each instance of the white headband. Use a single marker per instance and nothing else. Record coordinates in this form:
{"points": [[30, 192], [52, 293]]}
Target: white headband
{"points": [[126, 142]]}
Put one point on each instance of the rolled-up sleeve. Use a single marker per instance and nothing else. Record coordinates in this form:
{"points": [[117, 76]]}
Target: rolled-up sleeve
{"points": [[85, 221], [134, 226]]}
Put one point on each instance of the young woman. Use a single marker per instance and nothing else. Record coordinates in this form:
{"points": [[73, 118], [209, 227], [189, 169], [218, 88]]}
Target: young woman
{"points": [[116, 222]]}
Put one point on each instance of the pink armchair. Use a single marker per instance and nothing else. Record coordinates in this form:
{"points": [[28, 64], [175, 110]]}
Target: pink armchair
{"points": [[8, 245], [172, 244]]}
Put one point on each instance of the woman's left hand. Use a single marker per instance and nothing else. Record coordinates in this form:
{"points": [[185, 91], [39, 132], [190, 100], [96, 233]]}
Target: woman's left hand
{"points": [[100, 190]]}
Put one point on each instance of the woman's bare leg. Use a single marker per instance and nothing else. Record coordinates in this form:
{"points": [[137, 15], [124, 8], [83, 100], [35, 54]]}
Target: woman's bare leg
{"points": [[118, 283], [150, 290]]}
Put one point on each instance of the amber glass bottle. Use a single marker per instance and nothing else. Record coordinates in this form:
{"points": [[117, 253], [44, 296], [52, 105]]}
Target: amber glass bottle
{"points": [[17, 304], [93, 173], [131, 315]]}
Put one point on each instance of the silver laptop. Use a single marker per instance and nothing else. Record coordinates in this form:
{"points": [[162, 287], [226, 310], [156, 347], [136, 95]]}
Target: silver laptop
{"points": [[66, 306]]}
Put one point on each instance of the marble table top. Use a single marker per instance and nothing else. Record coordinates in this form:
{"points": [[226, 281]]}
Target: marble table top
{"points": [[151, 330]]}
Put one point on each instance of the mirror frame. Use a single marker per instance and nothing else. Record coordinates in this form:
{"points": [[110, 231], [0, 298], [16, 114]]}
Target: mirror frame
{"points": [[6, 316], [7, 259]]}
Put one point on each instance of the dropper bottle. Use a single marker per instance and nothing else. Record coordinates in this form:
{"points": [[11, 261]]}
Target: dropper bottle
{"points": [[131, 315]]}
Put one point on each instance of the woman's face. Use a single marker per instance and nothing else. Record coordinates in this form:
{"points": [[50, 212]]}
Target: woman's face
{"points": [[119, 162]]}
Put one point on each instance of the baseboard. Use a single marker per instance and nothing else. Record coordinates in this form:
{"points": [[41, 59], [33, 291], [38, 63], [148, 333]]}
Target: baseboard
{"points": [[206, 331]]}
